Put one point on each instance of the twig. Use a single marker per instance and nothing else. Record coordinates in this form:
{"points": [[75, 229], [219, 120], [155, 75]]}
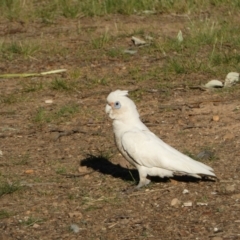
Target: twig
{"points": [[23, 75]]}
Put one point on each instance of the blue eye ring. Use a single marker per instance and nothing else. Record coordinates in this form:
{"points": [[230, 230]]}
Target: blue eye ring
{"points": [[117, 105]]}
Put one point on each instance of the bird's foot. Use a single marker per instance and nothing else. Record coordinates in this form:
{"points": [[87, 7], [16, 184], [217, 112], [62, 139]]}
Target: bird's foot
{"points": [[143, 182]]}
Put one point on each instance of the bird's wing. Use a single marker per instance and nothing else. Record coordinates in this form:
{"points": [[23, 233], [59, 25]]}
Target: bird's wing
{"points": [[146, 149]]}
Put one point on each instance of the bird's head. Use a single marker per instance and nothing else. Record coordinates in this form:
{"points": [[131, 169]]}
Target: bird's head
{"points": [[120, 107]]}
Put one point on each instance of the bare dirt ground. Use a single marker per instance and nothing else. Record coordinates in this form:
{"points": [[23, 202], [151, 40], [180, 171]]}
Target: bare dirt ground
{"points": [[66, 167]]}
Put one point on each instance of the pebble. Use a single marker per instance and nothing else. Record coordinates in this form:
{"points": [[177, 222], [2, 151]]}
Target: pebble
{"points": [[49, 101], [35, 225], [231, 79], [215, 118], [129, 51], [175, 203], [138, 41], [185, 191], [75, 228], [187, 204], [201, 204], [205, 154]]}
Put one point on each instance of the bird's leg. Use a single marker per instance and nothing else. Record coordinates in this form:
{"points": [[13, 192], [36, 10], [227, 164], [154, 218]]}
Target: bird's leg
{"points": [[143, 178]]}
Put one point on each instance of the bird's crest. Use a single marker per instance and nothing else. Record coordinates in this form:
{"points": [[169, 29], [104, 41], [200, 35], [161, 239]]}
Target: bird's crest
{"points": [[113, 96], [121, 92]]}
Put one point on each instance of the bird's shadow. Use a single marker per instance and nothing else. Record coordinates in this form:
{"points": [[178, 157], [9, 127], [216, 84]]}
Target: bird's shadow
{"points": [[104, 166]]}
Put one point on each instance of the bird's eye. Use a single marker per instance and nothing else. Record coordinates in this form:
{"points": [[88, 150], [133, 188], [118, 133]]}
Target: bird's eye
{"points": [[117, 105]]}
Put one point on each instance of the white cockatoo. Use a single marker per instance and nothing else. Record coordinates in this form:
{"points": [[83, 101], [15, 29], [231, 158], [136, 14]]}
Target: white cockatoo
{"points": [[143, 149]]}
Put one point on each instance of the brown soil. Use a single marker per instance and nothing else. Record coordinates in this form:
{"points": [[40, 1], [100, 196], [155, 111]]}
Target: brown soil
{"points": [[69, 169]]}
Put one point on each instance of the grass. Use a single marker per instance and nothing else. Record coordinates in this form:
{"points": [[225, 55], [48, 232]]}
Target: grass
{"points": [[29, 221], [88, 38], [100, 42], [61, 170], [209, 45], [23, 160], [4, 214], [9, 99], [26, 49], [45, 116], [8, 188], [32, 86], [60, 84], [49, 11]]}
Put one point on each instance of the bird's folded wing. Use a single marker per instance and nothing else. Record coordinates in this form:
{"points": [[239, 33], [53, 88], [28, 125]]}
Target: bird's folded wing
{"points": [[148, 150]]}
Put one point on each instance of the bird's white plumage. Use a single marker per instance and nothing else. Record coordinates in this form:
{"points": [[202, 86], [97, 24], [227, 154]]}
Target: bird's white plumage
{"points": [[142, 148]]}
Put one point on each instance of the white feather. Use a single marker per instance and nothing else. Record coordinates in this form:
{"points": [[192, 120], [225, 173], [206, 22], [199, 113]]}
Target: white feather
{"points": [[142, 148]]}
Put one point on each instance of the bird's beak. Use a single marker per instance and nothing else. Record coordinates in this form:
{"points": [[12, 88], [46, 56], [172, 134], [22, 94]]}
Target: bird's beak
{"points": [[108, 109], [112, 104]]}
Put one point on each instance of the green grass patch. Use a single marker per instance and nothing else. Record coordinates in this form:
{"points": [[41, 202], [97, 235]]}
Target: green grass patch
{"points": [[45, 116], [100, 42], [8, 188], [48, 11], [4, 214], [26, 49], [61, 170], [61, 84]]}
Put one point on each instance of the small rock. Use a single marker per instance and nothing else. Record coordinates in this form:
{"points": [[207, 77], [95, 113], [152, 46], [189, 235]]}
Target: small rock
{"points": [[1, 153], [205, 155], [215, 118], [214, 84], [185, 191], [231, 79], [129, 51], [138, 42], [201, 204], [187, 204], [180, 36], [175, 203], [216, 230], [35, 225], [49, 101], [75, 228]]}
